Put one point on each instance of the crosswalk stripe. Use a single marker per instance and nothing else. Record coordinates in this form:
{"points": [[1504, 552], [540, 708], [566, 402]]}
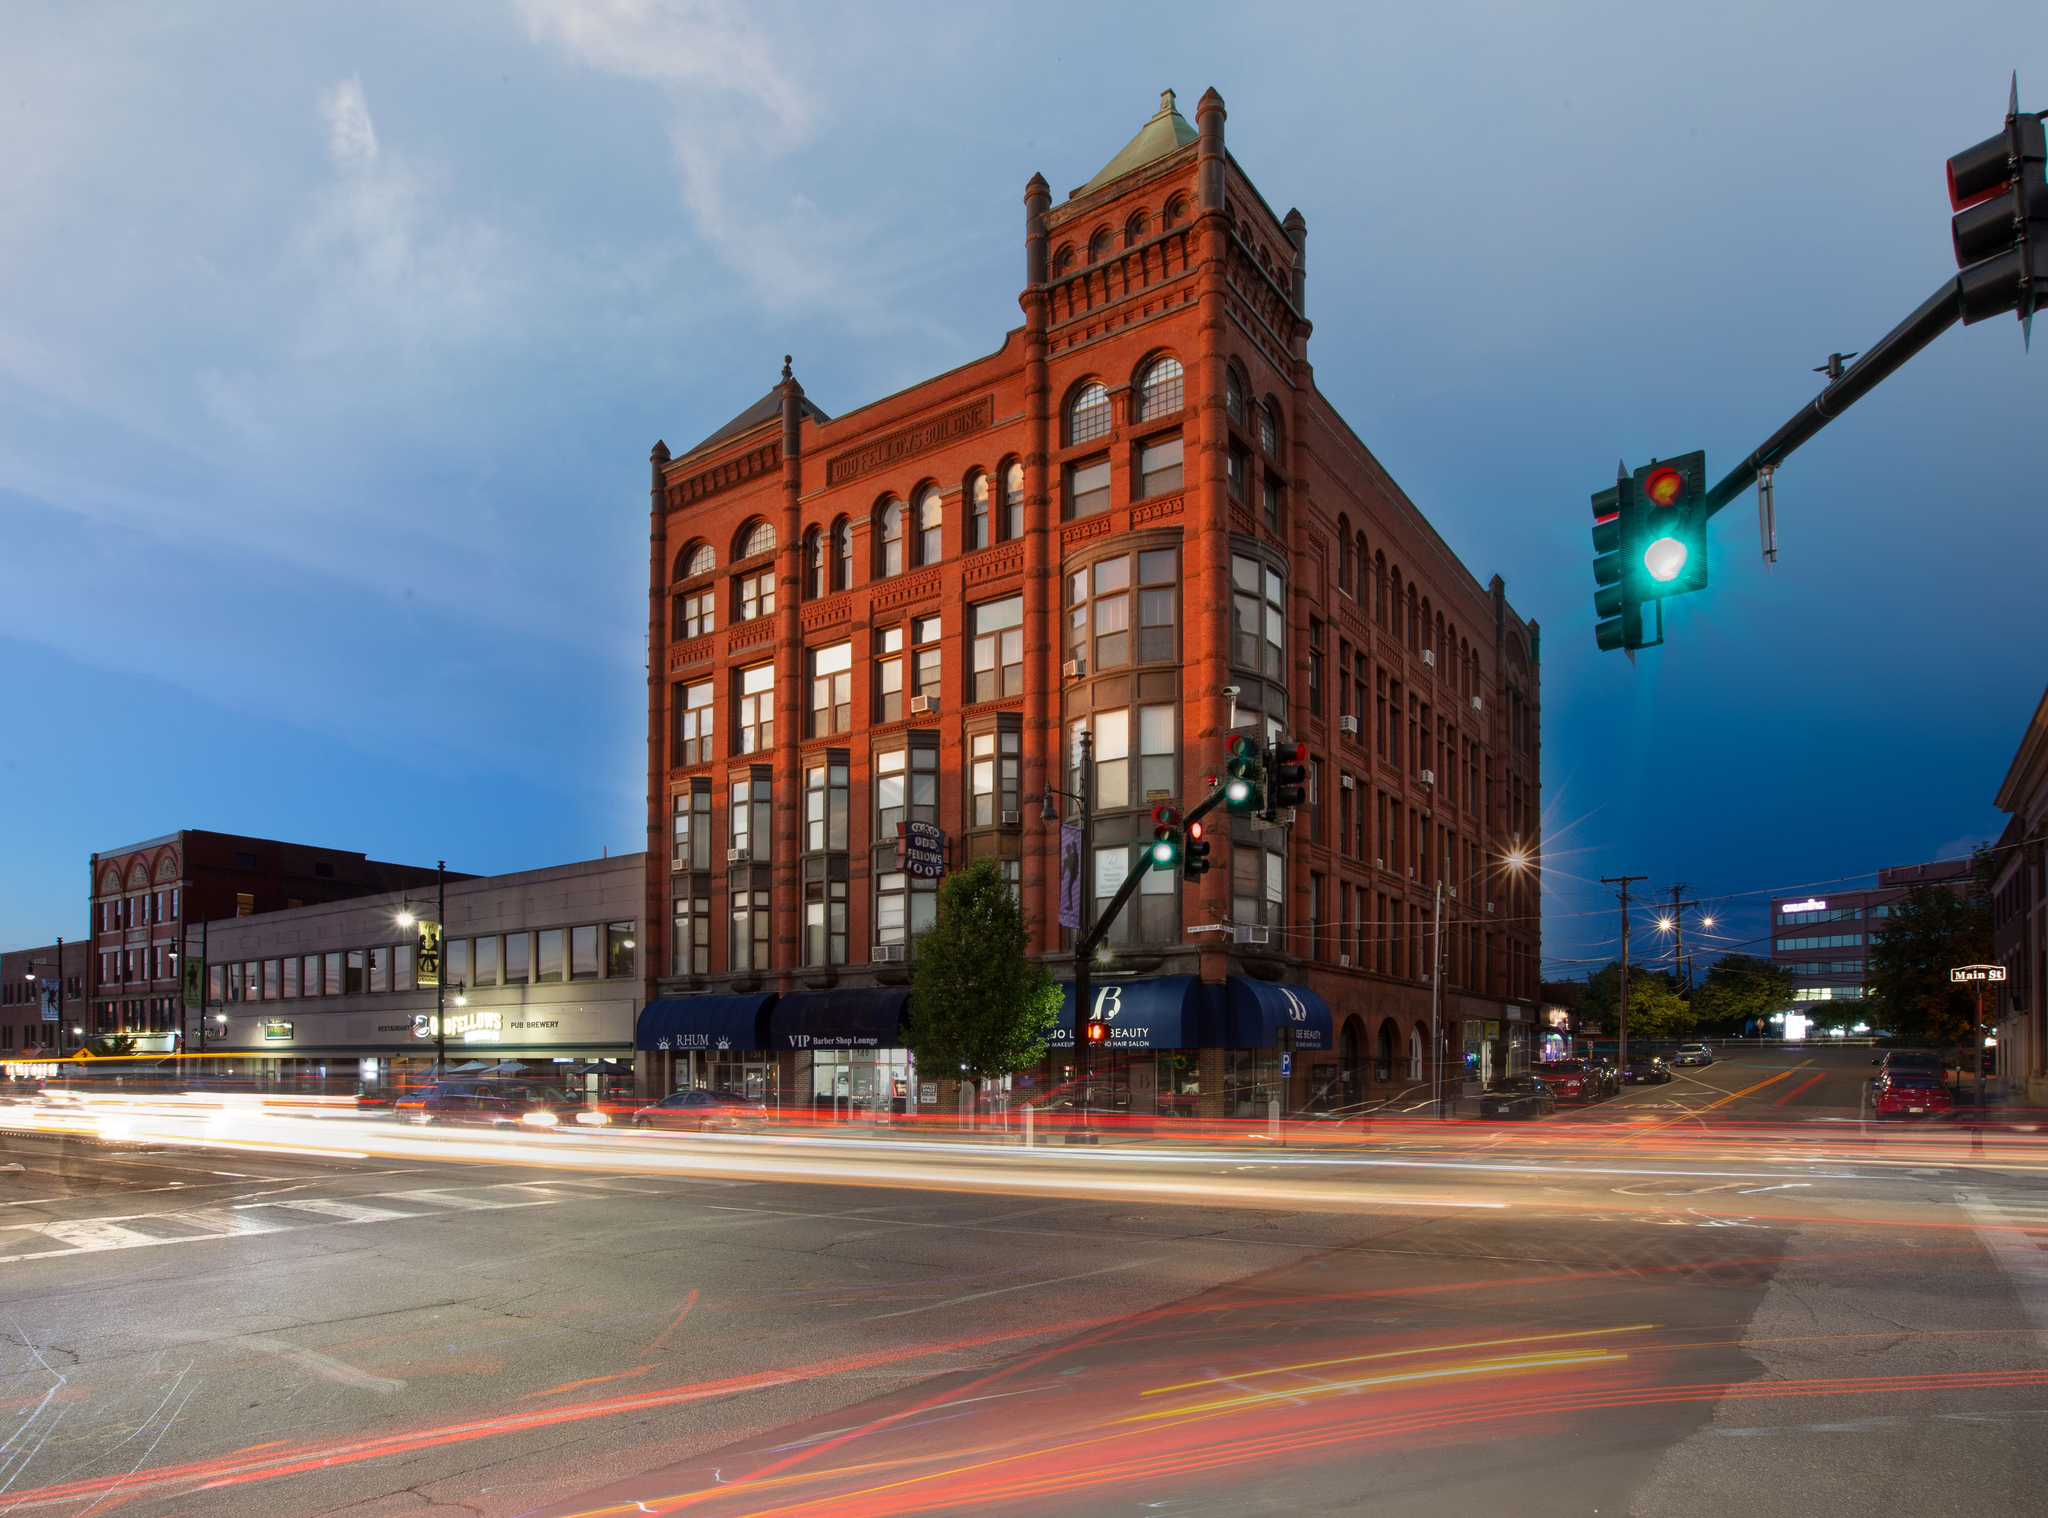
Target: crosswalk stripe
{"points": [[225, 1223], [98, 1233], [342, 1212]]}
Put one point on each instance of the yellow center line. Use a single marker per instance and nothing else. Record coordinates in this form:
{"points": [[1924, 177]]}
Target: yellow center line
{"points": [[1396, 1354]]}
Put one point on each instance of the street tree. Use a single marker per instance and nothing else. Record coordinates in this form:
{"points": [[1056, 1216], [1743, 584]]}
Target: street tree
{"points": [[1655, 1009], [978, 1005], [1739, 990], [1935, 929]]}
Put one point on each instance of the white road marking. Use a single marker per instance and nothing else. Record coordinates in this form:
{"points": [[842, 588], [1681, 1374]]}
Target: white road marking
{"points": [[2023, 1259], [344, 1212]]}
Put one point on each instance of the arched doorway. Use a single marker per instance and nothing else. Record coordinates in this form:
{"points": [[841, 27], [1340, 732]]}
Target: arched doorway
{"points": [[1383, 1056], [1348, 1074]]}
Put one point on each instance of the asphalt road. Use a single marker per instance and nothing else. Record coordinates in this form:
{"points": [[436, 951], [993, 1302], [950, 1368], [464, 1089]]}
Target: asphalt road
{"points": [[1726, 1294]]}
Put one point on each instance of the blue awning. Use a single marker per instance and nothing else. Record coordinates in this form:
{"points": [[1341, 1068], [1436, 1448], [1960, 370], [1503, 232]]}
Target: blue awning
{"points": [[1165, 1012], [681, 1023], [1254, 1011], [853, 1018]]}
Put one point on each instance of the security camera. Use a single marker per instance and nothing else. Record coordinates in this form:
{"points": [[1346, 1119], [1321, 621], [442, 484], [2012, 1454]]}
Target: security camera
{"points": [[1230, 691]]}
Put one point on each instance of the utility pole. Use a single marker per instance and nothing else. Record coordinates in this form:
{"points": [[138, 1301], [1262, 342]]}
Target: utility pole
{"points": [[1678, 907], [1621, 1020]]}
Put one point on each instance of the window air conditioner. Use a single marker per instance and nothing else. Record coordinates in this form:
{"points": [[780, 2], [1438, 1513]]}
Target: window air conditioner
{"points": [[1011, 819], [1344, 960], [1429, 657], [1074, 669], [1347, 782], [739, 856], [888, 953], [920, 705], [1348, 725], [1241, 933], [1489, 909], [1478, 705], [1429, 777]]}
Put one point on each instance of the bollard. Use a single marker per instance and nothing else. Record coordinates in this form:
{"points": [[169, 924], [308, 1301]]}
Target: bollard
{"points": [[1273, 1120], [1030, 1126]]}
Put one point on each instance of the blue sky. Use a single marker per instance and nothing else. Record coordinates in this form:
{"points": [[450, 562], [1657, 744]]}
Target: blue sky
{"points": [[334, 340]]}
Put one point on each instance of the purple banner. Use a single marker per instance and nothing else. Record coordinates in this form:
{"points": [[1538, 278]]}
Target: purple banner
{"points": [[1070, 876]]}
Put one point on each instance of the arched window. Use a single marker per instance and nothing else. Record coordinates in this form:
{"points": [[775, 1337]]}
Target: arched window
{"points": [[1100, 245], [1233, 394], [1392, 619], [1415, 1054], [1414, 620], [1379, 589], [889, 539], [842, 554], [757, 536], [978, 535], [1137, 228], [1063, 261], [1269, 429], [1159, 392], [697, 559], [1013, 500], [1344, 561], [814, 564], [1175, 213], [1088, 417], [931, 519], [1358, 553]]}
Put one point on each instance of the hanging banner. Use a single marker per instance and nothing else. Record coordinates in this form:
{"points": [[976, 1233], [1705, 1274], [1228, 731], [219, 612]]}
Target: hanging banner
{"points": [[426, 964], [47, 995], [1070, 876], [921, 849], [193, 980]]}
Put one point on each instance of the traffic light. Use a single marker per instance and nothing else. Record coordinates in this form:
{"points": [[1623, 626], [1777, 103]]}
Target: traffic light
{"points": [[1241, 773], [1286, 777], [1195, 859], [1649, 542], [2000, 196], [1165, 850], [1098, 1032]]}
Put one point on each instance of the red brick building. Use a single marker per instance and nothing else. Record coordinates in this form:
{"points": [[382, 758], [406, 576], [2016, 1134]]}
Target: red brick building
{"points": [[1137, 515]]}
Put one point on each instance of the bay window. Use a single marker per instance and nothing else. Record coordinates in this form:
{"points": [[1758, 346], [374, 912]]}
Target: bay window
{"points": [[694, 723], [995, 763], [756, 724], [825, 804], [1258, 617]]}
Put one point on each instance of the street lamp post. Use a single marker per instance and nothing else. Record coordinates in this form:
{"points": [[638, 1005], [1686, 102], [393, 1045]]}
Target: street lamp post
{"points": [[1083, 799]]}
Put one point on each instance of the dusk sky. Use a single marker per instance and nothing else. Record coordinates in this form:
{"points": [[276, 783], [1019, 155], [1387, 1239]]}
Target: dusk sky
{"points": [[334, 340]]}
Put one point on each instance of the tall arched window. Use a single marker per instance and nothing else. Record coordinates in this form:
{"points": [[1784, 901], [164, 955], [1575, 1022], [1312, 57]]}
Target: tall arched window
{"points": [[1100, 245], [757, 537], [931, 520], [842, 554], [1392, 619], [698, 560], [1013, 500], [1269, 429], [814, 564], [1358, 553], [1088, 417], [1159, 392], [1233, 395], [978, 533], [1344, 559], [1414, 619], [1379, 589], [889, 539]]}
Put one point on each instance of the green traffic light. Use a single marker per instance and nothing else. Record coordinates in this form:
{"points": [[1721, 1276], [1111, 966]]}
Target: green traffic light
{"points": [[1162, 853], [1664, 559], [1236, 790]]}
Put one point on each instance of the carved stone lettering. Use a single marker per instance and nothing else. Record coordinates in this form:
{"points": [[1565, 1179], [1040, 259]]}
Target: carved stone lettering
{"points": [[910, 441]]}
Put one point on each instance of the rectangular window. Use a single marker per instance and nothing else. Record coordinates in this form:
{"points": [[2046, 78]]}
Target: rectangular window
{"points": [[1112, 578], [999, 649], [1269, 499], [352, 974], [1246, 612], [518, 958], [583, 952], [547, 960], [1157, 577], [1315, 669], [994, 776], [1159, 467], [273, 979], [1088, 488], [754, 596], [245, 904], [1158, 769], [1240, 463], [904, 907], [826, 792], [748, 949], [330, 976], [691, 841], [694, 723], [291, 979], [1822, 941], [380, 971], [831, 689], [889, 676], [618, 950], [1013, 501], [756, 722], [693, 616], [690, 929], [1112, 758], [217, 982], [924, 679], [455, 965], [484, 962], [825, 899], [748, 820]]}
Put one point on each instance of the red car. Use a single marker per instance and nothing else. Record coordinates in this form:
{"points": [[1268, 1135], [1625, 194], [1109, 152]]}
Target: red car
{"points": [[1570, 1081], [1910, 1093]]}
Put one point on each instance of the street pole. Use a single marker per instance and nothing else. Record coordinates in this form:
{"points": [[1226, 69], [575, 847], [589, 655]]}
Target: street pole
{"points": [[1436, 998], [1621, 1020], [1980, 1051], [441, 972], [1678, 934], [1084, 798]]}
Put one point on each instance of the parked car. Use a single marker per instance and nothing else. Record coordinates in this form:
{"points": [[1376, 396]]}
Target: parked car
{"points": [[1646, 1070], [1909, 1059], [1693, 1054], [701, 1112], [1569, 1080], [1518, 1096], [499, 1104], [1910, 1093], [1608, 1074]]}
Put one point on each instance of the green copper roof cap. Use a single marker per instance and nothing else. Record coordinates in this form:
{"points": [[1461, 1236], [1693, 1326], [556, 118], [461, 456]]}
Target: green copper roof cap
{"points": [[1165, 133]]}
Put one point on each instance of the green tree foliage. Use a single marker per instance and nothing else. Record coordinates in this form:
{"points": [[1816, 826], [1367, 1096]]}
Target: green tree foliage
{"points": [[1655, 1009], [1739, 990], [112, 1045], [978, 1005], [1931, 932]]}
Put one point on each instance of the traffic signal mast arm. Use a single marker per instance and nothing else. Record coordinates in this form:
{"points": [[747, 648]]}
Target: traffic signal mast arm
{"points": [[1092, 939]]}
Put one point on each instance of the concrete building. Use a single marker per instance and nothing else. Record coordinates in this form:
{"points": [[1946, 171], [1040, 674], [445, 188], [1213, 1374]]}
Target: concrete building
{"points": [[1140, 517], [539, 966], [1824, 940], [2020, 914]]}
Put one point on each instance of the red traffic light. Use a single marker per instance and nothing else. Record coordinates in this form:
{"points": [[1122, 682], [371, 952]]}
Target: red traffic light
{"points": [[1098, 1032], [1194, 831], [1241, 747], [1663, 487], [1290, 753], [1165, 816]]}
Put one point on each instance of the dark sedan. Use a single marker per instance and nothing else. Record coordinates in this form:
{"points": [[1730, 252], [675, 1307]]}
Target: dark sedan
{"points": [[1646, 1070], [701, 1112], [489, 1104], [1518, 1096]]}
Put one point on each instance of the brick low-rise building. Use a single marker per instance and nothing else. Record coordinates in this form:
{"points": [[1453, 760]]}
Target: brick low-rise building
{"points": [[1138, 516], [2019, 910]]}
